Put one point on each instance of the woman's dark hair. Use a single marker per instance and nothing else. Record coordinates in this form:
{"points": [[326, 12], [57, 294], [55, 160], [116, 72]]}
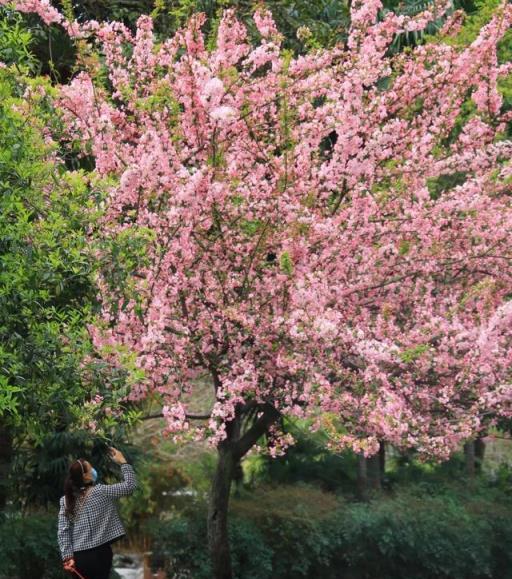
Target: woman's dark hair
{"points": [[74, 484]]}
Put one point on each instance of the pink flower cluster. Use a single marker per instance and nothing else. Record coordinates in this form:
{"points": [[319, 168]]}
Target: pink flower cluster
{"points": [[319, 243], [42, 8]]}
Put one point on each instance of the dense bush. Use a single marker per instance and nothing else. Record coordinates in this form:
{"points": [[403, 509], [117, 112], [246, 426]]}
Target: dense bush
{"points": [[293, 532], [47, 293], [28, 548], [179, 544]]}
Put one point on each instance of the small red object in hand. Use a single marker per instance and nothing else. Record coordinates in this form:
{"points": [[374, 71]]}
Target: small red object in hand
{"points": [[69, 565]]}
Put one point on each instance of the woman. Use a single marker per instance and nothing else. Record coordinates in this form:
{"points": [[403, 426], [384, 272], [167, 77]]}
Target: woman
{"points": [[88, 518]]}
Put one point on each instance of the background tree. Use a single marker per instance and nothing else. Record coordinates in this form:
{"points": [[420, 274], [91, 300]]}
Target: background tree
{"points": [[46, 288]]}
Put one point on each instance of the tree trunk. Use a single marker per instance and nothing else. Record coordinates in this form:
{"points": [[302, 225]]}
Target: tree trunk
{"points": [[362, 477], [6, 452], [382, 459], [376, 468], [479, 453], [469, 454], [230, 452], [218, 540], [374, 472]]}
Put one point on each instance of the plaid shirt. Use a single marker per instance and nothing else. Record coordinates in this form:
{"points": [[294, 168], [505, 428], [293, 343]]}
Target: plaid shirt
{"points": [[97, 520]]}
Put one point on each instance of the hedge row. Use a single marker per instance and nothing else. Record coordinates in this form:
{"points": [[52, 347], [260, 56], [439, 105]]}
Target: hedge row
{"points": [[291, 533], [301, 532]]}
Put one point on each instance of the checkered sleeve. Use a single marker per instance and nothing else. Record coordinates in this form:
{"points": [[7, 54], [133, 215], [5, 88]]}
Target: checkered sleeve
{"points": [[122, 489], [64, 533]]}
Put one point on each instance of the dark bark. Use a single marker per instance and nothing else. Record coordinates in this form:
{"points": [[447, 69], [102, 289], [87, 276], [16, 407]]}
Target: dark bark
{"points": [[362, 477], [382, 459], [479, 454], [469, 455], [229, 454], [373, 472], [260, 427], [218, 540], [376, 468], [6, 452]]}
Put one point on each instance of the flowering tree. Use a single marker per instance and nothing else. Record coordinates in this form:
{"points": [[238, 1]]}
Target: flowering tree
{"points": [[322, 236]]}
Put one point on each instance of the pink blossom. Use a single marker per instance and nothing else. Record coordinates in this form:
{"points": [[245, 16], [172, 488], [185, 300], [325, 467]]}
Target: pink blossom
{"points": [[295, 250], [223, 113]]}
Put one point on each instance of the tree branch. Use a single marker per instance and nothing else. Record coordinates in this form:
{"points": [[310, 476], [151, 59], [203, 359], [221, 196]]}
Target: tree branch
{"points": [[260, 427], [191, 416]]}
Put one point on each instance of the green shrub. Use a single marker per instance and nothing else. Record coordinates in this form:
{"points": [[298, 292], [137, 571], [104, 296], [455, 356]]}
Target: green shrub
{"points": [[301, 532], [420, 538], [28, 548], [181, 543]]}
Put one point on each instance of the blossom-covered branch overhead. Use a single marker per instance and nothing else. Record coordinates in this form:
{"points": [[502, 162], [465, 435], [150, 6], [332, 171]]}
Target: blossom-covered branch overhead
{"points": [[326, 235]]}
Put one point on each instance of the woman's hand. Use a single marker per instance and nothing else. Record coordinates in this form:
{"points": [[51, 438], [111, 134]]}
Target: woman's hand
{"points": [[117, 456], [69, 564]]}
